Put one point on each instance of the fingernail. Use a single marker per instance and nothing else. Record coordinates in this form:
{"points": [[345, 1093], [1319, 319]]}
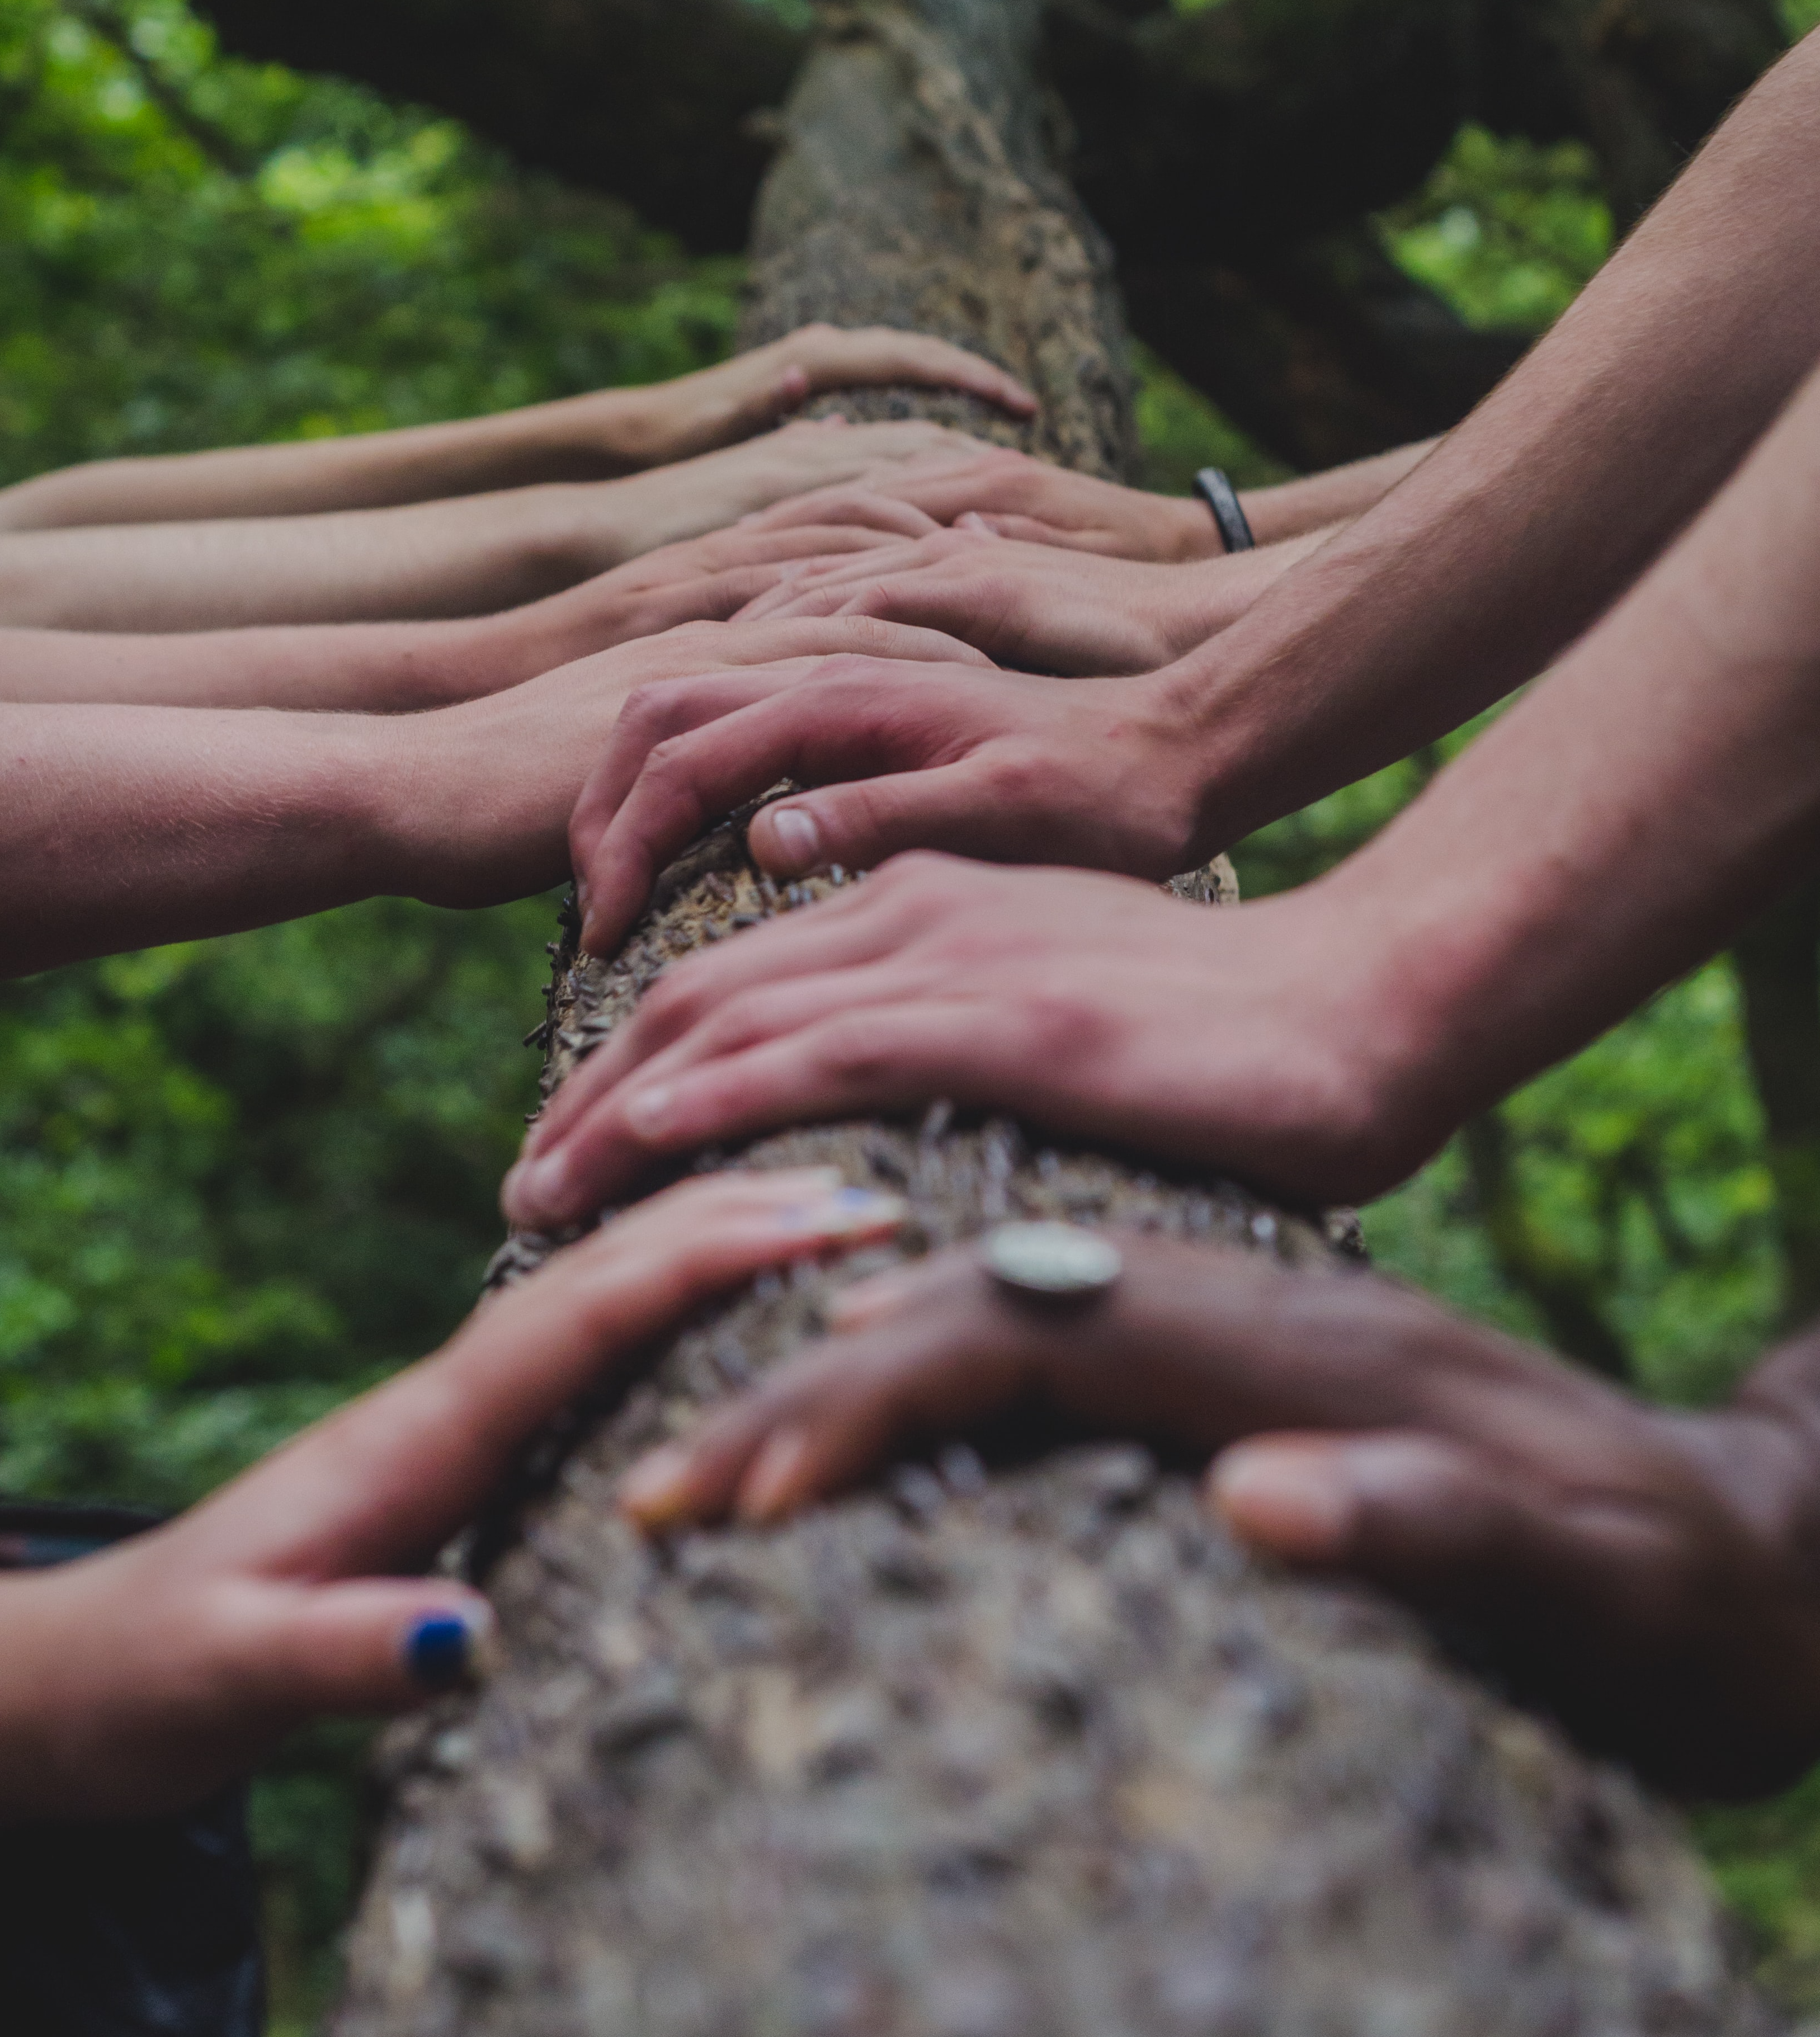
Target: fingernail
{"points": [[647, 1109], [1294, 1502], [538, 1185], [797, 836], [656, 1491], [847, 1210], [820, 1180], [770, 1486], [444, 1649]]}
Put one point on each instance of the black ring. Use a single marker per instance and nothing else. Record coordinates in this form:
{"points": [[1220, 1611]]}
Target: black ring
{"points": [[1220, 497]]}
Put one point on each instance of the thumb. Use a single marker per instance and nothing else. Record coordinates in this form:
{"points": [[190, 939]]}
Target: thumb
{"points": [[371, 1644], [858, 824], [1416, 1512]]}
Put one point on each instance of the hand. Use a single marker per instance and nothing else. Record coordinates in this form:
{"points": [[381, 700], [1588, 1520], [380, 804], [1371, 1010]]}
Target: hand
{"points": [[1645, 1574], [1108, 774], [1036, 607], [477, 797], [702, 580], [752, 392], [1014, 495], [1276, 1041], [619, 519], [137, 1681]]}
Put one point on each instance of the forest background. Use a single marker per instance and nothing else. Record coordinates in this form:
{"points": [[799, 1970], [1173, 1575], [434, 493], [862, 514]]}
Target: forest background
{"points": [[241, 1180]]}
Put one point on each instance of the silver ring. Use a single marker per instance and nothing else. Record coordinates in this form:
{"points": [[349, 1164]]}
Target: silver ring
{"points": [[1058, 1261]]}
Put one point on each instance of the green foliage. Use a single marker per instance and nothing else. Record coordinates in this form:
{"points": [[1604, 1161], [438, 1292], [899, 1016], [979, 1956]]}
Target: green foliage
{"points": [[194, 252], [239, 1181], [1506, 230], [1182, 433]]}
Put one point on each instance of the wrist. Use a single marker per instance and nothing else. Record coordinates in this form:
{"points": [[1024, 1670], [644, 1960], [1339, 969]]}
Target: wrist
{"points": [[471, 804], [488, 654], [1187, 530]]}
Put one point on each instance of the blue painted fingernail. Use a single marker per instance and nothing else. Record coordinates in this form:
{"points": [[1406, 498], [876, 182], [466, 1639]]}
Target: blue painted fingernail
{"points": [[439, 1653]]}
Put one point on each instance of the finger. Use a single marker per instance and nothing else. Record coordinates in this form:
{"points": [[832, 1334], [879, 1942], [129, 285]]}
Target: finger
{"points": [[885, 558], [1432, 1517], [877, 355], [859, 1060], [845, 932], [615, 880], [867, 1304], [827, 1418], [1032, 530], [856, 507], [776, 643], [372, 1645], [958, 808], [383, 1482], [855, 927], [672, 767], [789, 597], [716, 597]]}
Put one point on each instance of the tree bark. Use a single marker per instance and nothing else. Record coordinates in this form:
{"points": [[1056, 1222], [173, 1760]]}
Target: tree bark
{"points": [[1023, 1747]]}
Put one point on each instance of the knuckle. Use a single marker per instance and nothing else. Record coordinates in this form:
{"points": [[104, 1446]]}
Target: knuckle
{"points": [[851, 1052], [668, 765], [1018, 777], [648, 709]]}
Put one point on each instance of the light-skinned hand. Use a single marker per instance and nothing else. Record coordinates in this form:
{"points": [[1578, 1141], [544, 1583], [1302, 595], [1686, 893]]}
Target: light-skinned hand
{"points": [[1016, 496], [754, 390], [138, 1680], [1010, 768], [1088, 1005], [482, 834], [1037, 608]]}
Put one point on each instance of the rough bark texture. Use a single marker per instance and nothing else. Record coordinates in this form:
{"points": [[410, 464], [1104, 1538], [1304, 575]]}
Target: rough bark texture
{"points": [[915, 188], [1023, 1749]]}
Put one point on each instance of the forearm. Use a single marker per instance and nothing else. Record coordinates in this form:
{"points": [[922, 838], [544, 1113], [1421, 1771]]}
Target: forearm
{"points": [[581, 438], [469, 557], [1532, 516], [1620, 822], [1317, 500], [353, 667], [126, 828], [1211, 595]]}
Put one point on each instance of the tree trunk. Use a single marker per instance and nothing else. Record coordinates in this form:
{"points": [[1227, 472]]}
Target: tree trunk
{"points": [[1028, 1748]]}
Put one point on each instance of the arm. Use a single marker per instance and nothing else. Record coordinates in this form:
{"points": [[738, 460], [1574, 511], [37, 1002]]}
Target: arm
{"points": [[136, 1681], [579, 438], [1506, 541], [1647, 1575], [469, 557], [1639, 804], [1039, 608], [1314, 502], [400, 668], [124, 827], [1011, 495]]}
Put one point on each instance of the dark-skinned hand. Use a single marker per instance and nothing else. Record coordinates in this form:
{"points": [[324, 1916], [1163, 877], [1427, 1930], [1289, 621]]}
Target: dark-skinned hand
{"points": [[1650, 1575]]}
